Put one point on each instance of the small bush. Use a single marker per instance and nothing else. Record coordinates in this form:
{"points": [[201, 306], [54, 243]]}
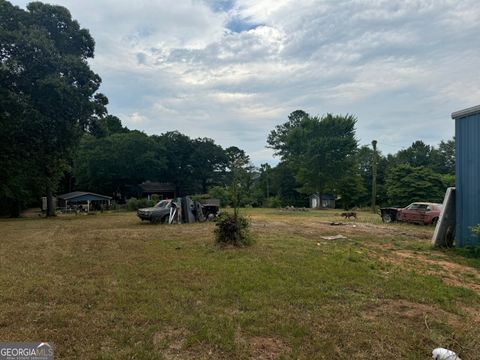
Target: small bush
{"points": [[132, 204], [476, 229], [273, 202], [219, 192], [144, 203], [231, 230]]}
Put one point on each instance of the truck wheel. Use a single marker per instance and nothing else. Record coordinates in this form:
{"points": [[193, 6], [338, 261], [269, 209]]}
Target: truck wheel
{"points": [[387, 218]]}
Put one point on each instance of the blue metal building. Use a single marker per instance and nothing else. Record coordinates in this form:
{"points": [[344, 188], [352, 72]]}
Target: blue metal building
{"points": [[467, 172]]}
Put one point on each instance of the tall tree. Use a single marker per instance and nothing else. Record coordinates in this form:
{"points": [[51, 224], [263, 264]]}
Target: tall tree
{"points": [[179, 148], [418, 154], [285, 185], [406, 184], [209, 161], [444, 161], [241, 178], [320, 149], [45, 73], [364, 157], [106, 126], [118, 163]]}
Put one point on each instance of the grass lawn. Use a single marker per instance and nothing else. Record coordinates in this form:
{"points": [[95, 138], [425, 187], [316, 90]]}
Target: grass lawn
{"points": [[110, 287]]}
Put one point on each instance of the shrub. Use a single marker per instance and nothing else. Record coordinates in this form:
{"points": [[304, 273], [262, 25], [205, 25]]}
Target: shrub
{"points": [[273, 202], [143, 203], [476, 229], [233, 230], [219, 192], [132, 204]]}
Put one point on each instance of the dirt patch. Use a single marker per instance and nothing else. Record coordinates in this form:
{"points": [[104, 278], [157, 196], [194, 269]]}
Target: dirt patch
{"points": [[454, 281], [267, 348], [419, 313], [308, 227], [473, 313], [453, 274], [32, 213], [170, 343]]}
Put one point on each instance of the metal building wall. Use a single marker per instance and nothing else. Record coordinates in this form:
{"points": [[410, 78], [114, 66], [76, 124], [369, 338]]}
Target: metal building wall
{"points": [[467, 148]]}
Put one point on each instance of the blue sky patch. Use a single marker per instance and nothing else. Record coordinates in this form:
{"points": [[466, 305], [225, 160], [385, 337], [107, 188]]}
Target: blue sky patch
{"points": [[238, 25]]}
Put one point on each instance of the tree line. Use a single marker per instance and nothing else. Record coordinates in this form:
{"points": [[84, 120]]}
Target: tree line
{"points": [[322, 155], [57, 136]]}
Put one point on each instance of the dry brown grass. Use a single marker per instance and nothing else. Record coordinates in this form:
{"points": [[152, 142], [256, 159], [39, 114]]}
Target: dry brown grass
{"points": [[110, 287]]}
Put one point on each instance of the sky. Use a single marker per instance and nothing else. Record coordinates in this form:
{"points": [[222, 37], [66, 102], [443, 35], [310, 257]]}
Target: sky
{"points": [[232, 70]]}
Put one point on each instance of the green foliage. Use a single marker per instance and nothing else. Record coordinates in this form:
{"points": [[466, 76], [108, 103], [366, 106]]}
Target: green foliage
{"points": [[221, 193], [106, 126], [476, 229], [132, 204], [364, 157], [318, 149], [351, 189], [241, 179], [48, 97], [407, 184], [418, 154], [209, 161], [145, 203], [273, 202], [231, 229], [118, 163], [193, 165], [285, 185], [446, 157]]}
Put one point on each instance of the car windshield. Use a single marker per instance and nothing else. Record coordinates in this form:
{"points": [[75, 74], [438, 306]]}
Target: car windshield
{"points": [[163, 204], [416, 206]]}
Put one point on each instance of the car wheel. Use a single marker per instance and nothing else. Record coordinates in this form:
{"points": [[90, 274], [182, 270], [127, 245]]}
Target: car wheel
{"points": [[387, 218], [165, 219], [435, 221]]}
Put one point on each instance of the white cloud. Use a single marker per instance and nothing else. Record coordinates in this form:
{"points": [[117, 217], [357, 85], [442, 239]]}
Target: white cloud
{"points": [[136, 119], [402, 66]]}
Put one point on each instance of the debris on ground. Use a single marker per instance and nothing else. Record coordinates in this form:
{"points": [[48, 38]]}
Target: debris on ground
{"points": [[444, 354], [334, 237], [293, 208]]}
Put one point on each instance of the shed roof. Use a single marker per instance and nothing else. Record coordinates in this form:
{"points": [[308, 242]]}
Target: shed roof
{"points": [[151, 186], [82, 194], [466, 112]]}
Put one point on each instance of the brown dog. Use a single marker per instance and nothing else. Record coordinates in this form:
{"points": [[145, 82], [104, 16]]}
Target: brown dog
{"points": [[348, 215]]}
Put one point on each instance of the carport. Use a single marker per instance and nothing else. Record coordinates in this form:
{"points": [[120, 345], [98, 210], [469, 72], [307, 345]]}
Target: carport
{"points": [[77, 198]]}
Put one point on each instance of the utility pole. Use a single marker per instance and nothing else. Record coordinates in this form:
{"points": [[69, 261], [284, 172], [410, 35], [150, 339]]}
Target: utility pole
{"points": [[374, 176]]}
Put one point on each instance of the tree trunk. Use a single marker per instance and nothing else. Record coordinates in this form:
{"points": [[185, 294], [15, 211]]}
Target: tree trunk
{"points": [[50, 204]]}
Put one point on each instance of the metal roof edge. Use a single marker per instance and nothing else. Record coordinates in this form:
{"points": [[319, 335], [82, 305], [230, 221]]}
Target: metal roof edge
{"points": [[75, 194], [466, 112]]}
